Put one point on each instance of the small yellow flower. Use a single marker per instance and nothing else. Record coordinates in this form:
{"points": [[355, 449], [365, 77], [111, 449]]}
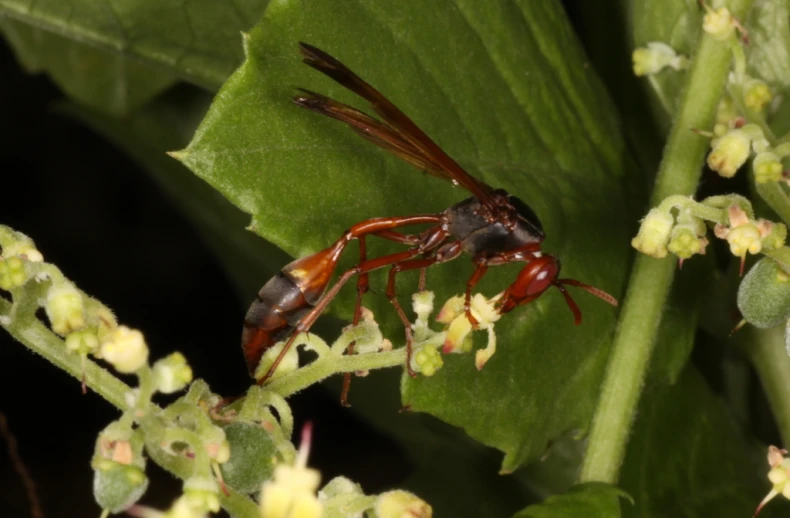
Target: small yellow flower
{"points": [[172, 373], [292, 491], [757, 95], [654, 233], [655, 57], [729, 153], [482, 309], [745, 238], [64, 308], [125, 349], [202, 493], [289, 363], [767, 167], [23, 248], [778, 476], [84, 341], [685, 242], [719, 23], [401, 504]]}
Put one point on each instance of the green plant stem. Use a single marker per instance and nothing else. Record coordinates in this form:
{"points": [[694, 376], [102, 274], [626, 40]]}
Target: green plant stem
{"points": [[650, 280], [766, 350], [39, 339], [329, 365], [29, 331]]}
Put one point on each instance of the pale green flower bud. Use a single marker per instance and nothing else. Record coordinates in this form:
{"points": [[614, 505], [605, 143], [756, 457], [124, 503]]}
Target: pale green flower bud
{"points": [[24, 248], [64, 308], [184, 507], [774, 234], [745, 238], [12, 273], [427, 360], [684, 242], [202, 493], [654, 233], [292, 491], [172, 373], [401, 504], [757, 95], [778, 476], [719, 23], [288, 364], [422, 303], [729, 153], [655, 57], [84, 341], [767, 167], [125, 349]]}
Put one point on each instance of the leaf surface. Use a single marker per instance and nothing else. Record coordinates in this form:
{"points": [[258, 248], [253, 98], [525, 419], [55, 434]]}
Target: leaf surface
{"points": [[196, 39], [504, 90], [94, 77], [688, 457], [592, 500]]}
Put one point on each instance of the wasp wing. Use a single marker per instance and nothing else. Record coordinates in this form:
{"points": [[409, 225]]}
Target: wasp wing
{"points": [[398, 124], [370, 129]]}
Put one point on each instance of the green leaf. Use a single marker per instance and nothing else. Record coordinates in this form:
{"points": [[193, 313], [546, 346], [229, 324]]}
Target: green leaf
{"points": [[687, 456], [166, 124], [592, 500], [197, 40], [606, 35], [506, 93], [102, 80], [768, 52]]}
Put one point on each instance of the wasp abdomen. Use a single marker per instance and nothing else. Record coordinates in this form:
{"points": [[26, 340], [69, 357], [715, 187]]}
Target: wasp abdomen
{"points": [[279, 307]]}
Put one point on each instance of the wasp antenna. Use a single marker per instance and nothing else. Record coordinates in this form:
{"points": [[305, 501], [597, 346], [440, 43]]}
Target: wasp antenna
{"points": [[591, 289], [577, 313]]}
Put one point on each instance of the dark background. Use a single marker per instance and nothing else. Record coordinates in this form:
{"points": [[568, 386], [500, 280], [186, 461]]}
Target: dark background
{"points": [[101, 219]]}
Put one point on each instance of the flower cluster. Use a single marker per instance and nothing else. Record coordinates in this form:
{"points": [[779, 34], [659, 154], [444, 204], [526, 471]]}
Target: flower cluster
{"points": [[459, 327], [661, 232], [748, 235], [88, 327], [456, 336], [737, 144], [779, 475], [293, 492]]}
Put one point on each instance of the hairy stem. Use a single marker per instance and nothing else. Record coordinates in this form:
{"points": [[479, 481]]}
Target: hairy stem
{"points": [[766, 350], [650, 280], [39, 339], [29, 331], [330, 364]]}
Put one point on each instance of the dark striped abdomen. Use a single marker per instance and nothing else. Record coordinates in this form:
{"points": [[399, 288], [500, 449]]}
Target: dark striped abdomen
{"points": [[279, 307]]}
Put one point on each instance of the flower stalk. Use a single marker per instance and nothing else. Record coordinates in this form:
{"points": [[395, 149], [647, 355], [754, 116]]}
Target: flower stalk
{"points": [[651, 278]]}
